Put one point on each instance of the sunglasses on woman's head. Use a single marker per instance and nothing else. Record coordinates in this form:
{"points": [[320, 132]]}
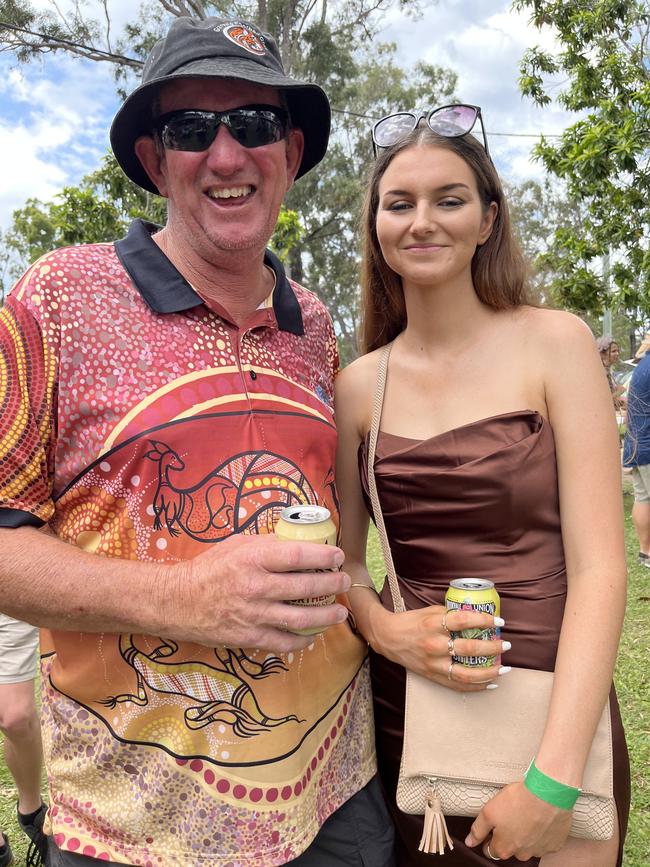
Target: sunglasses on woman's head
{"points": [[195, 129], [450, 121]]}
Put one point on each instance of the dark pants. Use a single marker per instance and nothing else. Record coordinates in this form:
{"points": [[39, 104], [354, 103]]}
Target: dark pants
{"points": [[359, 834]]}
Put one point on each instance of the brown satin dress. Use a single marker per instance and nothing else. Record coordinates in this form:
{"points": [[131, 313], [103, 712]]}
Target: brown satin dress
{"points": [[479, 501]]}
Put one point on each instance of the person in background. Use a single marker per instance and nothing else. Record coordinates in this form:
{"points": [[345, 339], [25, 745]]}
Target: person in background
{"points": [[609, 355], [169, 395], [636, 447], [497, 457], [23, 751]]}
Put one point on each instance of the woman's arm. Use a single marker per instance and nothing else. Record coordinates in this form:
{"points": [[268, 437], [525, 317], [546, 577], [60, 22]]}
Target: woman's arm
{"points": [[586, 439], [591, 508], [414, 639]]}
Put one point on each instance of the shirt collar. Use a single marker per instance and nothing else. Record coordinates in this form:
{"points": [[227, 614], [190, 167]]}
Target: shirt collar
{"points": [[165, 290]]}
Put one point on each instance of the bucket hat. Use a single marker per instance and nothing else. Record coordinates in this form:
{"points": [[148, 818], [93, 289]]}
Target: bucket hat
{"points": [[217, 48]]}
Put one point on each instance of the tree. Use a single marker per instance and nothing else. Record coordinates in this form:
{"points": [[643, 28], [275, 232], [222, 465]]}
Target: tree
{"points": [[329, 42], [604, 158], [536, 212]]}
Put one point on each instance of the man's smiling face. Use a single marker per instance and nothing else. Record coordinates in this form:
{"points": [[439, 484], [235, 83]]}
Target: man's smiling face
{"points": [[225, 198]]}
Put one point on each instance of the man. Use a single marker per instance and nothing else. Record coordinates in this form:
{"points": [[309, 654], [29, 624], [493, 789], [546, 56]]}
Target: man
{"points": [[20, 729], [636, 447], [168, 396]]}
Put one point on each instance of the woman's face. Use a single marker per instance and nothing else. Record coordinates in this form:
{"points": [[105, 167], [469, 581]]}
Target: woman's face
{"points": [[430, 218], [614, 353]]}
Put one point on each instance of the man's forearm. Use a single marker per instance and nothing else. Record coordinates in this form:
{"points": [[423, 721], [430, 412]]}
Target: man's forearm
{"points": [[50, 583]]}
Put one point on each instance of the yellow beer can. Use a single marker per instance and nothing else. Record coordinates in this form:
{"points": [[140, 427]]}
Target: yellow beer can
{"points": [[307, 524], [475, 594]]}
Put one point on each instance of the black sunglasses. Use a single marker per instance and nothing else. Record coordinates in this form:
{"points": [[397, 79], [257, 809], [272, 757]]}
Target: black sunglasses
{"points": [[195, 129], [450, 121]]}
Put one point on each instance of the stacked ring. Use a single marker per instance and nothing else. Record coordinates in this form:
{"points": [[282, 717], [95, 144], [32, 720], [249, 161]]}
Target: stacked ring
{"points": [[450, 646], [450, 672], [444, 623]]}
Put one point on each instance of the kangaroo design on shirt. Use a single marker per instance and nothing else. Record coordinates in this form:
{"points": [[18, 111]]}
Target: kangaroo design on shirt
{"points": [[243, 494], [221, 694]]}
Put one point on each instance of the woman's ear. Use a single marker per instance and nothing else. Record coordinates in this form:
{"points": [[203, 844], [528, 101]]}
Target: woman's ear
{"points": [[487, 223]]}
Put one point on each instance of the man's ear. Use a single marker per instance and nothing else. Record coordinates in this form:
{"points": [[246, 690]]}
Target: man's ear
{"points": [[295, 148], [152, 158]]}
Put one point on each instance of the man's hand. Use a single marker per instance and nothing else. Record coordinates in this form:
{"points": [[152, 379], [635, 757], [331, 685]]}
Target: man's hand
{"points": [[237, 593]]}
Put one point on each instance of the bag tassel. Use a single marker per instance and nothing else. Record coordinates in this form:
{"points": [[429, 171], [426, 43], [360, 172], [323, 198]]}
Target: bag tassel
{"points": [[434, 834]]}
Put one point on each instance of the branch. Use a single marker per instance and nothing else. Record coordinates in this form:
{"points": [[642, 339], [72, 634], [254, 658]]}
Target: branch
{"points": [[197, 8], [631, 48], [361, 19], [308, 11], [315, 233], [108, 24], [263, 14], [43, 43], [173, 8]]}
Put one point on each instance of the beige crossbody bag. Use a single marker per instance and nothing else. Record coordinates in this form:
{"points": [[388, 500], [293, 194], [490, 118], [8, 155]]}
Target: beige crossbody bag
{"points": [[459, 748]]}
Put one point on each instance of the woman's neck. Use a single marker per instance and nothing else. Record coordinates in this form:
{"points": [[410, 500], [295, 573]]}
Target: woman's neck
{"points": [[443, 317]]}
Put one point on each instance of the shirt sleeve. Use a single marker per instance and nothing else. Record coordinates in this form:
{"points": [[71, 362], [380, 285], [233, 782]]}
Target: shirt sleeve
{"points": [[27, 419]]}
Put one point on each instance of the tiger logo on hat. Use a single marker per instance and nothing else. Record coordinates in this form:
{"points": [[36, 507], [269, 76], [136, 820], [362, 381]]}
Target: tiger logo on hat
{"points": [[246, 38]]}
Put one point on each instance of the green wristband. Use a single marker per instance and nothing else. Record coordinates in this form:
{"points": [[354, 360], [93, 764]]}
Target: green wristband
{"points": [[549, 790]]}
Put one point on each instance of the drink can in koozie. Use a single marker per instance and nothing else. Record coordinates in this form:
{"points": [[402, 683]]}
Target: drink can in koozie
{"points": [[307, 524]]}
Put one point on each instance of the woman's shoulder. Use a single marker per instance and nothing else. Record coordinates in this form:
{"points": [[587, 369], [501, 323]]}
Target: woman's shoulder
{"points": [[361, 372], [554, 329], [354, 390]]}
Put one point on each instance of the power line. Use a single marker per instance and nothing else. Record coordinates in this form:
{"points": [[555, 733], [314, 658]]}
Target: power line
{"points": [[133, 61]]}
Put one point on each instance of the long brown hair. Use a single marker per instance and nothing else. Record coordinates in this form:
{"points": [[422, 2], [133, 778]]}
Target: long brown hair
{"points": [[498, 268]]}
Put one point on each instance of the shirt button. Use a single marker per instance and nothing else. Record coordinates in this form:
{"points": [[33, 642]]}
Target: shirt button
{"points": [[253, 375]]}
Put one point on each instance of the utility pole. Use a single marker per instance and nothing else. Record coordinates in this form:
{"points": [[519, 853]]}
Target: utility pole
{"points": [[607, 313]]}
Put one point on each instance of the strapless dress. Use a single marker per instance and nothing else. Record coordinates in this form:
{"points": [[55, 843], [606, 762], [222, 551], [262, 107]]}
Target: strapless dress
{"points": [[479, 501]]}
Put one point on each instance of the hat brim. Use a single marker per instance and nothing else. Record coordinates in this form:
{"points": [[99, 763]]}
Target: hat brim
{"points": [[308, 106]]}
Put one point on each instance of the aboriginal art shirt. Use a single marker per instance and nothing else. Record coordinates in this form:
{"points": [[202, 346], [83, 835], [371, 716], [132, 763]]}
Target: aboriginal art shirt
{"points": [[138, 422]]}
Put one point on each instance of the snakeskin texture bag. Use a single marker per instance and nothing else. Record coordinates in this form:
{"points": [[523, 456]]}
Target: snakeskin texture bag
{"points": [[460, 749]]}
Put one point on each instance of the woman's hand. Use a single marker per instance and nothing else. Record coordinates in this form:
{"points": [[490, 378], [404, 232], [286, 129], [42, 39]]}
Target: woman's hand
{"points": [[420, 640], [517, 823]]}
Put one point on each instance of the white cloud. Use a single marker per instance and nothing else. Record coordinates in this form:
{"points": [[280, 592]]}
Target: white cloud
{"points": [[53, 127], [55, 115], [484, 46]]}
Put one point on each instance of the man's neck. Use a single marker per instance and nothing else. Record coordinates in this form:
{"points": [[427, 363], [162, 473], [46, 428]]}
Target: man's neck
{"points": [[239, 282]]}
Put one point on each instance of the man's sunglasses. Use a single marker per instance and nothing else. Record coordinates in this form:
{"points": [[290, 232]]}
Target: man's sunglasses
{"points": [[195, 129], [450, 121]]}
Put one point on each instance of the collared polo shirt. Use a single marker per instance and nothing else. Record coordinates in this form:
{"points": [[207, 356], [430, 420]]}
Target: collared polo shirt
{"points": [[138, 422]]}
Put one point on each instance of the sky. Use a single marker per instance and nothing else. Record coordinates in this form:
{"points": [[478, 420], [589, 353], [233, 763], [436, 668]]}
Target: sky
{"points": [[55, 114]]}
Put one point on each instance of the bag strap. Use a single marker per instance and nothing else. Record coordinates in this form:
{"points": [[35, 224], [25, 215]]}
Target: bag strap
{"points": [[382, 373]]}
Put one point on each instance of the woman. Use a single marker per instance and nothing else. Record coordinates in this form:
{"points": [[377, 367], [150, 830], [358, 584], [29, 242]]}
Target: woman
{"points": [[496, 421], [609, 355]]}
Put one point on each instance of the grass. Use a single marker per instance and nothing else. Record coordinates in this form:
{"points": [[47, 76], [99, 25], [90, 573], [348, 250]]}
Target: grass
{"points": [[632, 683]]}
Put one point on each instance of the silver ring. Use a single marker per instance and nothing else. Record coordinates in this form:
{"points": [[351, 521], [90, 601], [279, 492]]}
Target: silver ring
{"points": [[284, 626], [444, 622], [489, 854], [449, 673], [450, 646]]}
